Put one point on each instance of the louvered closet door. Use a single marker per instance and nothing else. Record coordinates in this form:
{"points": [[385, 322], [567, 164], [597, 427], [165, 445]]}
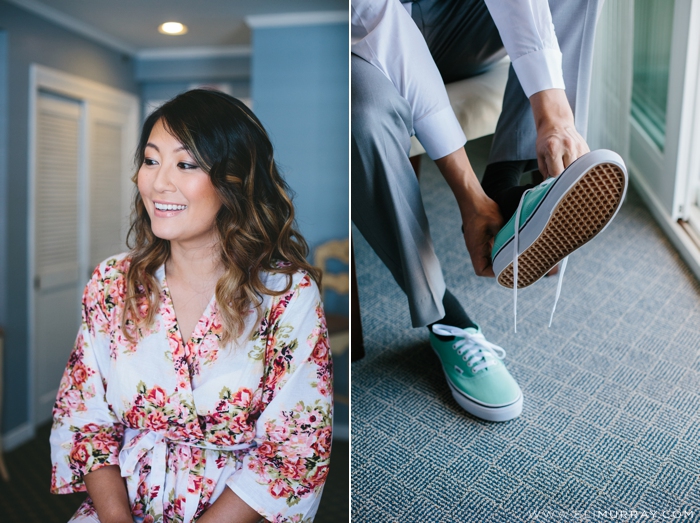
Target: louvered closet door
{"points": [[108, 176], [56, 280]]}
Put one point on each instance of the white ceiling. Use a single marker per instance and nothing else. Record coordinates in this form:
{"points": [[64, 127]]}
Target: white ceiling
{"points": [[132, 25]]}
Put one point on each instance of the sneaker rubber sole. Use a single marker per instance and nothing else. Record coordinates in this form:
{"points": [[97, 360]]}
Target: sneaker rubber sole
{"points": [[481, 410], [583, 202]]}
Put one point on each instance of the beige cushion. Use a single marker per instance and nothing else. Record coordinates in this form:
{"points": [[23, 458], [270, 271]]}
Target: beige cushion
{"points": [[477, 103]]}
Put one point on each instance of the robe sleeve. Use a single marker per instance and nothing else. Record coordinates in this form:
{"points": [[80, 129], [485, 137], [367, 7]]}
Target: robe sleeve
{"points": [[86, 435], [283, 477]]}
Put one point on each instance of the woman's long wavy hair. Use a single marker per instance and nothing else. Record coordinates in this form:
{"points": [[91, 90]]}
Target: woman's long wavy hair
{"points": [[255, 223]]}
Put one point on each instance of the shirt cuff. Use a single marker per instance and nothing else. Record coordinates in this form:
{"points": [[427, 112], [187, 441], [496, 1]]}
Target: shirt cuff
{"points": [[539, 70], [440, 133]]}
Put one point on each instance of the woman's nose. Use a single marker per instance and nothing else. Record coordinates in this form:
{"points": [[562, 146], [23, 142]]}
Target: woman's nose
{"points": [[162, 181]]}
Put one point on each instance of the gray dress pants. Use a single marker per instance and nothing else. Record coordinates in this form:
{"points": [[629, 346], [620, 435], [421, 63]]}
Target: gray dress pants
{"points": [[386, 202]]}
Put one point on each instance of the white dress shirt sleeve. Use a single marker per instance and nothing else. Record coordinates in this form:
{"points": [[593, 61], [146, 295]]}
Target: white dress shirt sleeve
{"points": [[384, 35], [528, 35]]}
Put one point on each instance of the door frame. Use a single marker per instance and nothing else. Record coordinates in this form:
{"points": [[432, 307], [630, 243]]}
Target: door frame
{"points": [[4, 117], [663, 178], [88, 93], [690, 158]]}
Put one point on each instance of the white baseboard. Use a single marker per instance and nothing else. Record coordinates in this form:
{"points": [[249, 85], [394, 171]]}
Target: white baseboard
{"points": [[678, 236], [14, 438]]}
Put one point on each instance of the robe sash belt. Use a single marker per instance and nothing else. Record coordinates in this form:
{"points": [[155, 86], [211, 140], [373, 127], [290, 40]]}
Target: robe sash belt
{"points": [[141, 443]]}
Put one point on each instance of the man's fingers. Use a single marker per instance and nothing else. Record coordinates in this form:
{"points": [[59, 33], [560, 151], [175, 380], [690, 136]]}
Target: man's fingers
{"points": [[557, 148], [487, 267], [480, 230], [486, 272], [480, 255], [569, 157], [555, 165], [482, 264]]}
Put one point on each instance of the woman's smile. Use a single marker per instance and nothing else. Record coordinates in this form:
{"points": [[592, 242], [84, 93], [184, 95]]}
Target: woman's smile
{"points": [[167, 210]]}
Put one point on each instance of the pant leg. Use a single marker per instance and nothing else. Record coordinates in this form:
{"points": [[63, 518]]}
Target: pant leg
{"points": [[574, 22], [387, 206], [461, 35]]}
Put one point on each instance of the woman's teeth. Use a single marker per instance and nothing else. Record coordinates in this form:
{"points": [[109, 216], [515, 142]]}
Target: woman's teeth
{"points": [[170, 207]]}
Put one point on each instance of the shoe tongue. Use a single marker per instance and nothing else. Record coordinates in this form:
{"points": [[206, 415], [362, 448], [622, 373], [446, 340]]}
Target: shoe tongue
{"points": [[449, 333]]}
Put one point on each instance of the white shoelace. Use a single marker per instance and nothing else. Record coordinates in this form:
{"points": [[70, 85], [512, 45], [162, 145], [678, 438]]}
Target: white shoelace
{"points": [[472, 346], [515, 263]]}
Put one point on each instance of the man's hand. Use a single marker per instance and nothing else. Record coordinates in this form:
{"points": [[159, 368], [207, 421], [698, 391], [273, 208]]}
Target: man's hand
{"points": [[480, 215], [481, 220], [558, 142]]}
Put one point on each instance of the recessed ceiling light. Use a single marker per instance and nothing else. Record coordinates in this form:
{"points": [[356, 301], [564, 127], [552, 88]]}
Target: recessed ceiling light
{"points": [[172, 28]]}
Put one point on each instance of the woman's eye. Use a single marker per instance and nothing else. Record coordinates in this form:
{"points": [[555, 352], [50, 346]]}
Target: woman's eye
{"points": [[186, 166], [149, 161]]}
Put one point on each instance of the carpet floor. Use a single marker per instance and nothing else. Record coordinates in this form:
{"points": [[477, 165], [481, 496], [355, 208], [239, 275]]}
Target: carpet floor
{"points": [[26, 498], [611, 423]]}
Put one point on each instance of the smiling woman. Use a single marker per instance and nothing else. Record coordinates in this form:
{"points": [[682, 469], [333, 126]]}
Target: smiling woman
{"points": [[200, 383], [170, 182]]}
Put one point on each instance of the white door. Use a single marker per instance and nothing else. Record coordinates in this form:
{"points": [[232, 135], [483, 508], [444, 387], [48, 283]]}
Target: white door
{"points": [[81, 217], [57, 280], [109, 185], [82, 142]]}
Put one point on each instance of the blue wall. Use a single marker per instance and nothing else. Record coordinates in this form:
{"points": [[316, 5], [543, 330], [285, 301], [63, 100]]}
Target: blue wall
{"points": [[162, 79], [299, 87], [212, 69], [31, 39], [163, 90]]}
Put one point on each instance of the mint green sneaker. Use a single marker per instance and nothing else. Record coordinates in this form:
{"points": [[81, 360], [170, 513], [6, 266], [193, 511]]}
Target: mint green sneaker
{"points": [[479, 381], [559, 216]]}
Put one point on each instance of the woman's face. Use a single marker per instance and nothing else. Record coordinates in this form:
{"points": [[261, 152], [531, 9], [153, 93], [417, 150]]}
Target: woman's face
{"points": [[179, 196]]}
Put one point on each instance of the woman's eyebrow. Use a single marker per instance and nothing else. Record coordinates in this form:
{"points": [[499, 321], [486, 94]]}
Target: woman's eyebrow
{"points": [[181, 148]]}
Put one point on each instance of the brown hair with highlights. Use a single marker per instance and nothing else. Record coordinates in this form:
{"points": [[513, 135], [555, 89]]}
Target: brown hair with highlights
{"points": [[255, 223]]}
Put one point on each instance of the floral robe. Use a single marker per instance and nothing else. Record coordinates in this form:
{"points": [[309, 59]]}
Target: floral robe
{"points": [[186, 420]]}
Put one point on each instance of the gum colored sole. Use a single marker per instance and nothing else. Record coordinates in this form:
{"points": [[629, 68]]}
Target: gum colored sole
{"points": [[578, 217]]}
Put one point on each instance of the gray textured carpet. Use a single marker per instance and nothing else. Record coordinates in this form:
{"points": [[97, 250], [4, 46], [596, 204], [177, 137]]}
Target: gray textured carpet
{"points": [[611, 419]]}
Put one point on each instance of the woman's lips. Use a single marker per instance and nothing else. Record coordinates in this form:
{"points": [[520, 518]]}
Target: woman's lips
{"points": [[167, 209]]}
